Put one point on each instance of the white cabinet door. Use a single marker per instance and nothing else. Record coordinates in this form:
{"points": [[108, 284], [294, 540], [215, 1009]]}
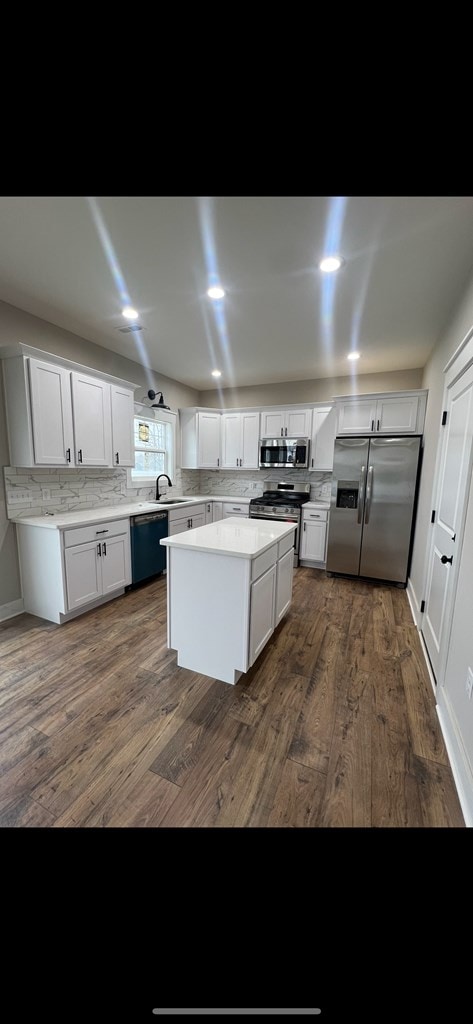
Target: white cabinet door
{"points": [[261, 612], [217, 511], [92, 421], [356, 417], [178, 526], [116, 563], [313, 541], [323, 437], [249, 451], [209, 440], [231, 440], [123, 448], [197, 520], [397, 415], [83, 574], [285, 569], [272, 423], [208, 512], [51, 408], [298, 423]]}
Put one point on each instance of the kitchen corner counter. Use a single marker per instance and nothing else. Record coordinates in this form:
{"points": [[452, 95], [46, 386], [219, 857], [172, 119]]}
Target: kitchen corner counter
{"points": [[316, 504], [101, 514]]}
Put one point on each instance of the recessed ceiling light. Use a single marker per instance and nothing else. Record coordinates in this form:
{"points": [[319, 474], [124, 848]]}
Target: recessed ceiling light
{"points": [[216, 373], [216, 292], [330, 263], [129, 313], [353, 355]]}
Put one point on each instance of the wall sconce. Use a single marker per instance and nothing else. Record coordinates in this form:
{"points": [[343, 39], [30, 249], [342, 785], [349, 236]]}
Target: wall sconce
{"points": [[158, 405]]}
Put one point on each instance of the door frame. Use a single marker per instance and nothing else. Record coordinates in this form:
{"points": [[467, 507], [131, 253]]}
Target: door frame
{"points": [[457, 365]]}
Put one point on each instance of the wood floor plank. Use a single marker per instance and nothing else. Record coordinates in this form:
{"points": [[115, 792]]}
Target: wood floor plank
{"points": [[347, 796], [180, 753], [312, 739], [439, 802], [298, 798], [395, 801], [146, 804], [26, 813], [426, 737]]}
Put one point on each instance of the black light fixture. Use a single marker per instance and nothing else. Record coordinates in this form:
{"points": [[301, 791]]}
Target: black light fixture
{"points": [[158, 405]]}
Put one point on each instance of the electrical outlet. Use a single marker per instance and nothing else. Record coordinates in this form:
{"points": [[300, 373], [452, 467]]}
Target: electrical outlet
{"points": [[18, 497], [469, 684], [46, 494]]}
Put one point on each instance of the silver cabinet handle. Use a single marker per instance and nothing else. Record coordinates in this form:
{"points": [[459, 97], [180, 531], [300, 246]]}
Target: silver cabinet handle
{"points": [[369, 491], [361, 494]]}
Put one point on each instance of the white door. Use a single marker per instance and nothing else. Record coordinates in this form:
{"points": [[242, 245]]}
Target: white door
{"points": [[262, 612], [298, 423], [323, 439], [453, 480], [92, 421], [231, 432], [356, 417], [397, 415], [313, 541], [83, 574], [209, 440], [51, 408], [249, 455], [272, 424], [285, 570], [123, 448], [115, 560]]}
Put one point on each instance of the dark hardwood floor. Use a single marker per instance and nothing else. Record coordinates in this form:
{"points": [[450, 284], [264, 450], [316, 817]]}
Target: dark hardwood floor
{"points": [[335, 724]]}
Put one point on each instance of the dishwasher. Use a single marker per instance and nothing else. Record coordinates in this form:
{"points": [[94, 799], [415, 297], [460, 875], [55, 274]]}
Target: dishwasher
{"points": [[148, 557]]}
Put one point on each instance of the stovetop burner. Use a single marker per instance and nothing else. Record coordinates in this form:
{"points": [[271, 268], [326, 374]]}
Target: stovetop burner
{"points": [[284, 494]]}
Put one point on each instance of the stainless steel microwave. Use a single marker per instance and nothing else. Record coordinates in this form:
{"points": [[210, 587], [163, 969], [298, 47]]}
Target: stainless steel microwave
{"points": [[284, 453]]}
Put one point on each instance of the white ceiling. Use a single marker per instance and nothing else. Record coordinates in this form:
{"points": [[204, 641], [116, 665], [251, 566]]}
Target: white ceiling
{"points": [[407, 260]]}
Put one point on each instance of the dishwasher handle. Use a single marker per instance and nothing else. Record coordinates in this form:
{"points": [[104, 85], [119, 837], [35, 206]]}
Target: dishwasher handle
{"points": [[153, 517]]}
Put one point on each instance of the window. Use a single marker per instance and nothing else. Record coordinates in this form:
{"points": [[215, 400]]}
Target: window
{"points": [[154, 448]]}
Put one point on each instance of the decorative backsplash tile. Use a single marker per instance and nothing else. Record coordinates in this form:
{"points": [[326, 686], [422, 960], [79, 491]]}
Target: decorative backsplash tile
{"points": [[242, 484]]}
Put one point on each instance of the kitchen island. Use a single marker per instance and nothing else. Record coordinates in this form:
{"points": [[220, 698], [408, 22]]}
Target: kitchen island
{"points": [[229, 584]]}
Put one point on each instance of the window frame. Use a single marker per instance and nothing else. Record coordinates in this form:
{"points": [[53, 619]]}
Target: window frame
{"points": [[144, 413]]}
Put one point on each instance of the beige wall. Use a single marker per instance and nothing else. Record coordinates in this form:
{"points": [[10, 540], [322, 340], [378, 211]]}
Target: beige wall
{"points": [[15, 326], [311, 390], [434, 380]]}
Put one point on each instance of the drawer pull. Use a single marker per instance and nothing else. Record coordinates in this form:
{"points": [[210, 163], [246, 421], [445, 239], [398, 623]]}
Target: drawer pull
{"points": [[100, 531]]}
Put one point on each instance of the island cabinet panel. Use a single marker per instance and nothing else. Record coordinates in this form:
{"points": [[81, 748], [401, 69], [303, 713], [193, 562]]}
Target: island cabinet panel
{"points": [[262, 612]]}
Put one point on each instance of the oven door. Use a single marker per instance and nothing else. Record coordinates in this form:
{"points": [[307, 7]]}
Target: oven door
{"points": [[282, 519], [284, 453]]}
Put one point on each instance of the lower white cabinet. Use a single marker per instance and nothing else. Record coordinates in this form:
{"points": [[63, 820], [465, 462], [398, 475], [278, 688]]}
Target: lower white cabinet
{"points": [[263, 593], [194, 516], [63, 571], [234, 508], [217, 511], [313, 536], [285, 572], [208, 512]]}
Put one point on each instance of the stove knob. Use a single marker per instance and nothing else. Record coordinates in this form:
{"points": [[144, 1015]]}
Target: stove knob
{"points": [[274, 509]]}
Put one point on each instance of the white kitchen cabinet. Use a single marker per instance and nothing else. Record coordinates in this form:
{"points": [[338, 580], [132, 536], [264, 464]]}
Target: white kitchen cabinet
{"points": [[217, 511], [99, 565], [200, 439], [395, 413], [284, 575], [324, 425], [286, 422], [262, 601], [235, 508], [92, 420], [240, 440], [123, 442], [314, 535], [59, 415], [208, 512], [178, 520]]}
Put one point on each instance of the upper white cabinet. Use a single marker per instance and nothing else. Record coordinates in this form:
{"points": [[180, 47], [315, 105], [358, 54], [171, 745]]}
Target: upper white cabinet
{"points": [[240, 440], [400, 413], [324, 425], [123, 448], [286, 422], [92, 421], [200, 439], [58, 415]]}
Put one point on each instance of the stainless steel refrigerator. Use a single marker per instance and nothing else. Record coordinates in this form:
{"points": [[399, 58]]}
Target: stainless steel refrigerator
{"points": [[372, 505]]}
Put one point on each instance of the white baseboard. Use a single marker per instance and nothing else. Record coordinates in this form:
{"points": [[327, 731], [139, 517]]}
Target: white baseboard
{"points": [[8, 611], [433, 681], [461, 771], [412, 598]]}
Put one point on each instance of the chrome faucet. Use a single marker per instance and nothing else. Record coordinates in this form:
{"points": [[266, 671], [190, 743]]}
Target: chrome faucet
{"points": [[157, 484]]}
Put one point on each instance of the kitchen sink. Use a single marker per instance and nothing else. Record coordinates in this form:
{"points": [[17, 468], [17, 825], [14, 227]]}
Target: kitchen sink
{"points": [[172, 501]]}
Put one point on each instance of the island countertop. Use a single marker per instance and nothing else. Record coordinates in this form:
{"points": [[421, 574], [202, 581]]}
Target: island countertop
{"points": [[238, 537]]}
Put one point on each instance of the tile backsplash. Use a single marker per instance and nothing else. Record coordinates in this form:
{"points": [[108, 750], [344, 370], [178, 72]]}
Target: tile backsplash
{"points": [[79, 489]]}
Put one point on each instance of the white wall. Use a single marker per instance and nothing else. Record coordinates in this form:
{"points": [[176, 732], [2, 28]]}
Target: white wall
{"points": [[321, 390], [434, 380]]}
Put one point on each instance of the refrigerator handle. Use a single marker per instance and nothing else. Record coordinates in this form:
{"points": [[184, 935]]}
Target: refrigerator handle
{"points": [[369, 490], [361, 493]]}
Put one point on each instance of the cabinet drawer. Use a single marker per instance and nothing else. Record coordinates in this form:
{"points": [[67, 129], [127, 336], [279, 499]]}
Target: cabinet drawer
{"points": [[185, 513], [234, 509], [317, 514], [100, 531], [263, 562], [285, 544]]}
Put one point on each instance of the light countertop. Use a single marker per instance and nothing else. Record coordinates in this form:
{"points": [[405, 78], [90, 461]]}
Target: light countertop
{"points": [[316, 504], [241, 538], [104, 513]]}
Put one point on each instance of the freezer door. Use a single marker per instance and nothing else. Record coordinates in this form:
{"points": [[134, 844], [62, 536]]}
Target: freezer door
{"points": [[390, 493], [347, 505]]}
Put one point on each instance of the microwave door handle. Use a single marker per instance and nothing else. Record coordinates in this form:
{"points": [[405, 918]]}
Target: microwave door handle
{"points": [[369, 492], [361, 494]]}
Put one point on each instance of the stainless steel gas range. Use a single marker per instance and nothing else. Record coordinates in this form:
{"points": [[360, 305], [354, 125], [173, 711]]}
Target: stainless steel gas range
{"points": [[282, 502]]}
